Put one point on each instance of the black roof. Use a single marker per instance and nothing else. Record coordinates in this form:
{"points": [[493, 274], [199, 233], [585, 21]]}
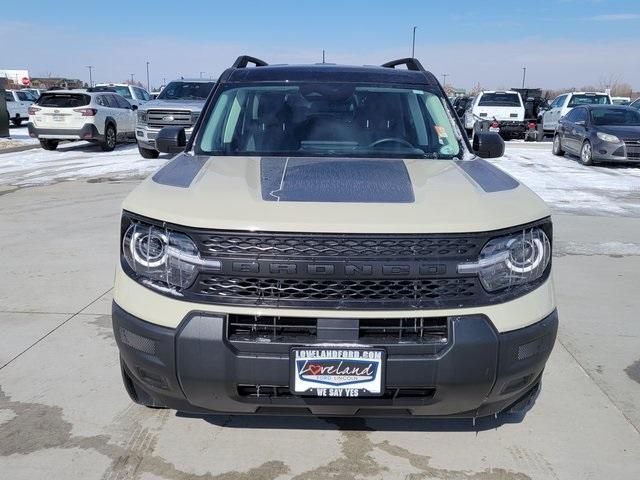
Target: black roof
{"points": [[597, 106], [326, 72]]}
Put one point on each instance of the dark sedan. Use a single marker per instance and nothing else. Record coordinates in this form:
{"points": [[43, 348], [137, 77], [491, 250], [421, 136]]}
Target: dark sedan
{"points": [[599, 133]]}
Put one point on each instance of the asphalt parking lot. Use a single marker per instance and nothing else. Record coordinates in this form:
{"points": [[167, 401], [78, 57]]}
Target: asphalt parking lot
{"points": [[64, 412]]}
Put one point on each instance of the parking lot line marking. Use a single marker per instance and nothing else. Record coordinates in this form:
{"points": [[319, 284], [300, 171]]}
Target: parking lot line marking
{"points": [[74, 315]]}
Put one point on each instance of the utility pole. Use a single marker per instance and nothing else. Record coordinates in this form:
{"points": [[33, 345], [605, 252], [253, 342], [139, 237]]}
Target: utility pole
{"points": [[323, 56], [131, 78], [90, 67], [444, 79], [524, 75], [148, 87], [413, 43], [202, 73]]}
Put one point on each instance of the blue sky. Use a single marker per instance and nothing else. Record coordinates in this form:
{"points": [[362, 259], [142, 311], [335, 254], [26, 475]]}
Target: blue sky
{"points": [[562, 42]]}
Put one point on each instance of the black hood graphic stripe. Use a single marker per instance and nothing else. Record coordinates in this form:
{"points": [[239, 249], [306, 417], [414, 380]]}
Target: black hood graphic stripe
{"points": [[488, 177], [335, 180], [180, 171]]}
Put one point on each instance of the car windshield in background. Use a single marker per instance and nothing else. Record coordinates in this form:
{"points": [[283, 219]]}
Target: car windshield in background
{"points": [[24, 97], [186, 91], [124, 91], [589, 100], [499, 100], [615, 116], [64, 100], [335, 119]]}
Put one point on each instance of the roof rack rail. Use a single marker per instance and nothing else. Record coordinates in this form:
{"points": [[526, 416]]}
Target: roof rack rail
{"points": [[243, 60], [411, 63]]}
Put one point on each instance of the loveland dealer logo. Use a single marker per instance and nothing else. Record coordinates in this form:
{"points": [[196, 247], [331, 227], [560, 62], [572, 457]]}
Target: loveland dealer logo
{"points": [[337, 372]]}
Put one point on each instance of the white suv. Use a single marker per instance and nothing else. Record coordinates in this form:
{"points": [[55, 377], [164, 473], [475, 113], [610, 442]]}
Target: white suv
{"points": [[101, 117], [134, 95], [18, 104], [564, 103]]}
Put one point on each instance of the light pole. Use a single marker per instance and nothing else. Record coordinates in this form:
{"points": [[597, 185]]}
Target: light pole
{"points": [[148, 88], [413, 43], [202, 73], [444, 80], [131, 78], [323, 56], [90, 67], [524, 75]]}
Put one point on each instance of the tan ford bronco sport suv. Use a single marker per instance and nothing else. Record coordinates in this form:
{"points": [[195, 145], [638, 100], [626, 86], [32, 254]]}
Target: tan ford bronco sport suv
{"points": [[328, 242]]}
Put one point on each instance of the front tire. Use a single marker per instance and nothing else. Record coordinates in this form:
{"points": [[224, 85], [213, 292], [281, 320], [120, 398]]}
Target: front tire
{"points": [[49, 144], [586, 154], [148, 153], [109, 142], [17, 121], [557, 146]]}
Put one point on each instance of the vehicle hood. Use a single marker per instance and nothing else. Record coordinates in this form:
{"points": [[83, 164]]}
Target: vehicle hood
{"points": [[624, 132], [335, 195], [191, 105]]}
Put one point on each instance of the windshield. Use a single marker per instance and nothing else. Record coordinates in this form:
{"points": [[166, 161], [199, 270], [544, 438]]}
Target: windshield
{"points": [[329, 119], [124, 91], [186, 91], [24, 96], [589, 99], [615, 116], [499, 99]]}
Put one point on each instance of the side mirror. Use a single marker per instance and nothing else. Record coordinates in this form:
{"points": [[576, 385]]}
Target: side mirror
{"points": [[488, 145], [134, 107], [581, 123], [171, 140]]}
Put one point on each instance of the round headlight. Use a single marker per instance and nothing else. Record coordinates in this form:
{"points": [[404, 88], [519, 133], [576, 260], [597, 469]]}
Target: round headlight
{"points": [[149, 247], [525, 254]]}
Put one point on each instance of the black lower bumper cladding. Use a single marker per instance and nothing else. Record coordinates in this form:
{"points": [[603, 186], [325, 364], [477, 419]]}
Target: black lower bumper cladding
{"points": [[196, 368]]}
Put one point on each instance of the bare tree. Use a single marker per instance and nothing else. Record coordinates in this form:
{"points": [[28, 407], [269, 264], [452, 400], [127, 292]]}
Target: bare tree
{"points": [[476, 89]]}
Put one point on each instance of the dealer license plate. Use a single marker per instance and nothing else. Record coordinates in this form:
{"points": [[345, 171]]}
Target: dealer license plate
{"points": [[58, 118], [494, 129], [337, 372]]}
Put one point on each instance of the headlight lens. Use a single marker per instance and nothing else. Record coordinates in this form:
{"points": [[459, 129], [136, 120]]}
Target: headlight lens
{"points": [[511, 260], [161, 258], [142, 116], [605, 137]]}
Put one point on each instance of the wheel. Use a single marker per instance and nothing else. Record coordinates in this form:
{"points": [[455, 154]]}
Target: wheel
{"points": [[49, 144], [586, 154], [17, 121], [109, 142], [557, 146], [136, 394], [148, 153]]}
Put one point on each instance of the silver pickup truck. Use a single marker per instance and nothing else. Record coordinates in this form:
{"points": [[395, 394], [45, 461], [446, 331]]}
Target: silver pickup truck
{"points": [[179, 104]]}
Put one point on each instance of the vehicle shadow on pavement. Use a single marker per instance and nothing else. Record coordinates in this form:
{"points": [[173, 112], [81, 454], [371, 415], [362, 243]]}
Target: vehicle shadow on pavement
{"points": [[383, 424]]}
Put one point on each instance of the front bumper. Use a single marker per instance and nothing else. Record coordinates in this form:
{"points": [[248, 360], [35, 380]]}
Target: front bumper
{"points": [[195, 368], [615, 151], [87, 132], [146, 135]]}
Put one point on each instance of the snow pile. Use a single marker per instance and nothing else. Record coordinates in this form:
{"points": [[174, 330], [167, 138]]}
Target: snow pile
{"points": [[73, 161], [568, 186]]}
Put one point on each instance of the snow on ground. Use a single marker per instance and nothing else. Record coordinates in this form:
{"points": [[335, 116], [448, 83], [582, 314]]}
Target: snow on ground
{"points": [[568, 186], [21, 134], [74, 161], [563, 182]]}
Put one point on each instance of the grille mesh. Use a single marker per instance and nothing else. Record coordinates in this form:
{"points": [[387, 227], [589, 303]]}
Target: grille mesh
{"points": [[272, 290], [273, 245]]}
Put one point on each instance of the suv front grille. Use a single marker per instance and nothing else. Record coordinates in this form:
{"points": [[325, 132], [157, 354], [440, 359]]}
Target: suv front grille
{"points": [[335, 245], [409, 293], [163, 118]]}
